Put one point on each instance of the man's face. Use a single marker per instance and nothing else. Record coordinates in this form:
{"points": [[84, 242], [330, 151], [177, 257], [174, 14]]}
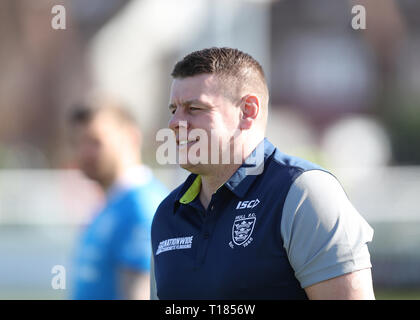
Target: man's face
{"points": [[199, 102], [97, 146]]}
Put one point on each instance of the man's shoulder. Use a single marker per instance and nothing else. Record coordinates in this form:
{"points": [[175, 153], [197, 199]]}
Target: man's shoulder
{"points": [[283, 160], [168, 202], [138, 201], [283, 167], [154, 190]]}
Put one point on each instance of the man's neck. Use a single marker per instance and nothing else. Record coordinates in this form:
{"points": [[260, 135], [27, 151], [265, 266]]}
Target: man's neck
{"points": [[222, 172], [210, 183], [122, 175]]}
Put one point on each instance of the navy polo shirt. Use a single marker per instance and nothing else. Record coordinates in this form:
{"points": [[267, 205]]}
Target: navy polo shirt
{"points": [[234, 249]]}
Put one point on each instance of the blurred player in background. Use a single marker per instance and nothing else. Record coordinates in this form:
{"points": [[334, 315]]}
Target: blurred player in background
{"points": [[113, 256]]}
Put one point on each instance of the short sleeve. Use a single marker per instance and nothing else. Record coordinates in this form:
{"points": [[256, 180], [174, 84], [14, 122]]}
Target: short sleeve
{"points": [[323, 234]]}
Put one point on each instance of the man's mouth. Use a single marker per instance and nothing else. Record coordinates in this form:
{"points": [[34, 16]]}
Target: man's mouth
{"points": [[183, 143]]}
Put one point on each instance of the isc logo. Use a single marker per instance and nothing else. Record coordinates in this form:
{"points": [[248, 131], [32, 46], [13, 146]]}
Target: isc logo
{"points": [[247, 204]]}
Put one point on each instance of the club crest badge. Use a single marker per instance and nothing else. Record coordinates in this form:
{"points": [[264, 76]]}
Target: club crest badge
{"points": [[242, 230]]}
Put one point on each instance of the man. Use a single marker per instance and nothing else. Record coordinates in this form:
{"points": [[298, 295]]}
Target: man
{"points": [[284, 231], [113, 258]]}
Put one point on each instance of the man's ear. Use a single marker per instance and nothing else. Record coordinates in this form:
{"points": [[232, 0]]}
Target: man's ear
{"points": [[250, 108]]}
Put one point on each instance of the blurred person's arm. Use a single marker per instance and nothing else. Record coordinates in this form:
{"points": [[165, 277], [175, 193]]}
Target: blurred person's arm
{"points": [[135, 285], [131, 251]]}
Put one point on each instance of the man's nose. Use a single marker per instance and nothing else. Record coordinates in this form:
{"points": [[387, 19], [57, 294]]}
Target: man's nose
{"points": [[178, 120]]}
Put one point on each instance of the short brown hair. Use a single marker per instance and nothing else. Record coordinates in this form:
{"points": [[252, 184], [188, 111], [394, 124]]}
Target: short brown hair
{"points": [[221, 61], [229, 64]]}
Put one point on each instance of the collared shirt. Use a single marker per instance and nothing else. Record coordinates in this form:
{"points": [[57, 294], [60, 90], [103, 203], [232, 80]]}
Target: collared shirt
{"points": [[118, 237], [263, 236]]}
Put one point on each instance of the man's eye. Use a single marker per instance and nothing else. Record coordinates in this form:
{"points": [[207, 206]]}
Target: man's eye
{"points": [[194, 108], [172, 111]]}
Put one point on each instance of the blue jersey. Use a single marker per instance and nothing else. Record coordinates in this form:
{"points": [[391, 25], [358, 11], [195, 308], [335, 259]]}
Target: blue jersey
{"points": [[118, 237], [264, 236]]}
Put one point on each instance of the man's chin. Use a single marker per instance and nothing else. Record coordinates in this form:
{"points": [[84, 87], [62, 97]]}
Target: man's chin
{"points": [[194, 168], [95, 176]]}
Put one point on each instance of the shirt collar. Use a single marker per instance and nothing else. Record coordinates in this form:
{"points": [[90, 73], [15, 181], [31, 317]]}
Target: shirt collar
{"points": [[239, 183], [189, 190], [253, 166]]}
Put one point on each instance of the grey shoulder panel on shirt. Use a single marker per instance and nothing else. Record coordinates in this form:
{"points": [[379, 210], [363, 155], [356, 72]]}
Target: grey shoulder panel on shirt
{"points": [[323, 234]]}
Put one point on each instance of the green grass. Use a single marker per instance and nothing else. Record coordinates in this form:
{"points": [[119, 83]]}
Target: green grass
{"points": [[397, 294]]}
